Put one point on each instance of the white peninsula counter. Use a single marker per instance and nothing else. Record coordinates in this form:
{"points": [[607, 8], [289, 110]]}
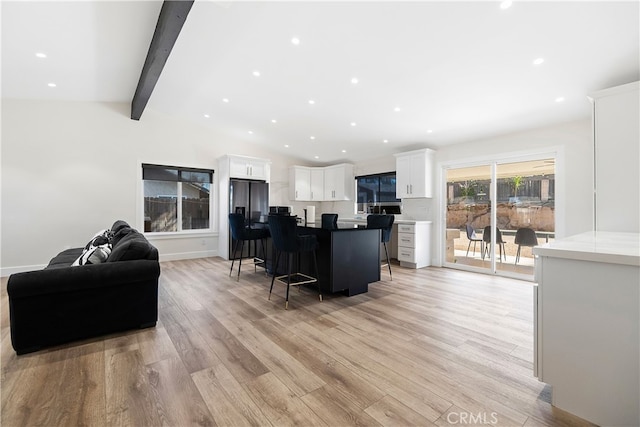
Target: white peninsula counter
{"points": [[587, 325]]}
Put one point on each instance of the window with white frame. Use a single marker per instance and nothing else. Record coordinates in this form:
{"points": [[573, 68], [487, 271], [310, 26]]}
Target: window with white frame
{"points": [[176, 198]]}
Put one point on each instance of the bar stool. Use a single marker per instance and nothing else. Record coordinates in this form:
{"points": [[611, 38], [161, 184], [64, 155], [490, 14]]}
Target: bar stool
{"points": [[241, 233], [285, 238], [329, 221], [384, 223]]}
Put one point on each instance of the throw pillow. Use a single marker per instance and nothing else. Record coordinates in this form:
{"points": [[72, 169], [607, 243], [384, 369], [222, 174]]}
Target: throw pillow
{"points": [[102, 237], [94, 255]]}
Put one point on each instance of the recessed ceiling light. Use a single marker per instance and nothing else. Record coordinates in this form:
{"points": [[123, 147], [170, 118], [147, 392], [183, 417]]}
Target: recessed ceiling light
{"points": [[225, 100], [429, 131], [286, 145], [384, 141], [295, 41], [354, 81], [250, 132], [353, 123], [41, 55], [311, 101], [312, 137], [52, 85], [560, 99], [344, 151], [396, 109], [506, 4], [538, 61], [316, 157], [206, 116], [256, 73], [274, 121]]}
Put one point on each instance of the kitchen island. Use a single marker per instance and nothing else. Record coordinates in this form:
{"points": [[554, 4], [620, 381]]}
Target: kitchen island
{"points": [[348, 258]]}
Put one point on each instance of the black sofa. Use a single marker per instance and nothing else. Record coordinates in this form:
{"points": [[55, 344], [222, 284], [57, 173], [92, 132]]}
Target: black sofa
{"points": [[63, 303]]}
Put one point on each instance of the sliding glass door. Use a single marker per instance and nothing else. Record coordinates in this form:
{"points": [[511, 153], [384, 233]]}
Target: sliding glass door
{"points": [[468, 213], [496, 213]]}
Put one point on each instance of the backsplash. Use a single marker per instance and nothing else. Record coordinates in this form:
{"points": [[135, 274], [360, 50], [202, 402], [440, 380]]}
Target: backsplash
{"points": [[418, 209]]}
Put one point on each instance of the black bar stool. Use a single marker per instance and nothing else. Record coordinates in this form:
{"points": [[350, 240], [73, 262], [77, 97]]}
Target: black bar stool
{"points": [[285, 238], [241, 233], [384, 223], [329, 221]]}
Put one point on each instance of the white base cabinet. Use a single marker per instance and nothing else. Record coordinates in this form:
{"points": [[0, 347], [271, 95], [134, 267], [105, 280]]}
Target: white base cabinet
{"points": [[414, 244], [587, 325]]}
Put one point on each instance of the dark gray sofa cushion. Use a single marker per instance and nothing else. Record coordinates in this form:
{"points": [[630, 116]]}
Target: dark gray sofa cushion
{"points": [[119, 224], [65, 258], [132, 246]]}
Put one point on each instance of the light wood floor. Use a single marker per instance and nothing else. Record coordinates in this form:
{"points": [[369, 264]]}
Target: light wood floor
{"points": [[432, 347]]}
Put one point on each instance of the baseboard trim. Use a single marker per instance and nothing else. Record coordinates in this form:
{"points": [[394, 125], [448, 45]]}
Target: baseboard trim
{"points": [[8, 271], [187, 255]]}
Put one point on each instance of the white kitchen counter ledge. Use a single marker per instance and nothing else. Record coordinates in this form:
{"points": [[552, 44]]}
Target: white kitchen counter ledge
{"points": [[595, 246]]}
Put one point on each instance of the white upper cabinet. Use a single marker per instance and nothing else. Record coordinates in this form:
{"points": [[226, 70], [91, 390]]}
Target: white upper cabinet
{"points": [[317, 184], [249, 168], [339, 182], [299, 183], [322, 183], [414, 174]]}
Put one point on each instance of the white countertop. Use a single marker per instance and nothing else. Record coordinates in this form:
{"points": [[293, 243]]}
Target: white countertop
{"points": [[600, 246], [397, 220]]}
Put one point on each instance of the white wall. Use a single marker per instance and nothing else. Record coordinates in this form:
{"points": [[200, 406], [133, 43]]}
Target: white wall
{"points": [[70, 169], [574, 139]]}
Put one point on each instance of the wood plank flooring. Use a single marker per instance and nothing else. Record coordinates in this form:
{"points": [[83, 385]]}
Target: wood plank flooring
{"points": [[432, 347]]}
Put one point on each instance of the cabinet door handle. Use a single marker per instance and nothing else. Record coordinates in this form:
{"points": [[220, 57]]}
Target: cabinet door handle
{"points": [[296, 194]]}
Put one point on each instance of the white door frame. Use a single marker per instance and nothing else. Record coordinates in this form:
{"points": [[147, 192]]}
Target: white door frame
{"points": [[556, 152]]}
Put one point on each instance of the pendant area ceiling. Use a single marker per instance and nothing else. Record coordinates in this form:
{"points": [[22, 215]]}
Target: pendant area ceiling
{"points": [[333, 81]]}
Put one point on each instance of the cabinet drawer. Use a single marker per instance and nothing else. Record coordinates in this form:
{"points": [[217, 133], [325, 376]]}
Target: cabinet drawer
{"points": [[406, 240], [406, 254], [406, 228]]}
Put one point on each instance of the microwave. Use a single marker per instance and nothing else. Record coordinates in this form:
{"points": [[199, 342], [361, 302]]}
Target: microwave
{"points": [[279, 210]]}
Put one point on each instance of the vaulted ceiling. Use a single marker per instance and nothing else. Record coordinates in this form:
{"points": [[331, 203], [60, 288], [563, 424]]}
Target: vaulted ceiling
{"points": [[332, 81]]}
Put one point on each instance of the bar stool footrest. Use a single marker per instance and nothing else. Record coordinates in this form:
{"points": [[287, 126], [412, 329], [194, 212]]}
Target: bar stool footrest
{"points": [[297, 279]]}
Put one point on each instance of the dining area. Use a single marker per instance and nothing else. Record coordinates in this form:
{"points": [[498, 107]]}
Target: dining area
{"points": [[474, 246]]}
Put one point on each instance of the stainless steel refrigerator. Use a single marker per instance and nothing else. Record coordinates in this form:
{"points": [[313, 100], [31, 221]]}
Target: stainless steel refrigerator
{"points": [[250, 198]]}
